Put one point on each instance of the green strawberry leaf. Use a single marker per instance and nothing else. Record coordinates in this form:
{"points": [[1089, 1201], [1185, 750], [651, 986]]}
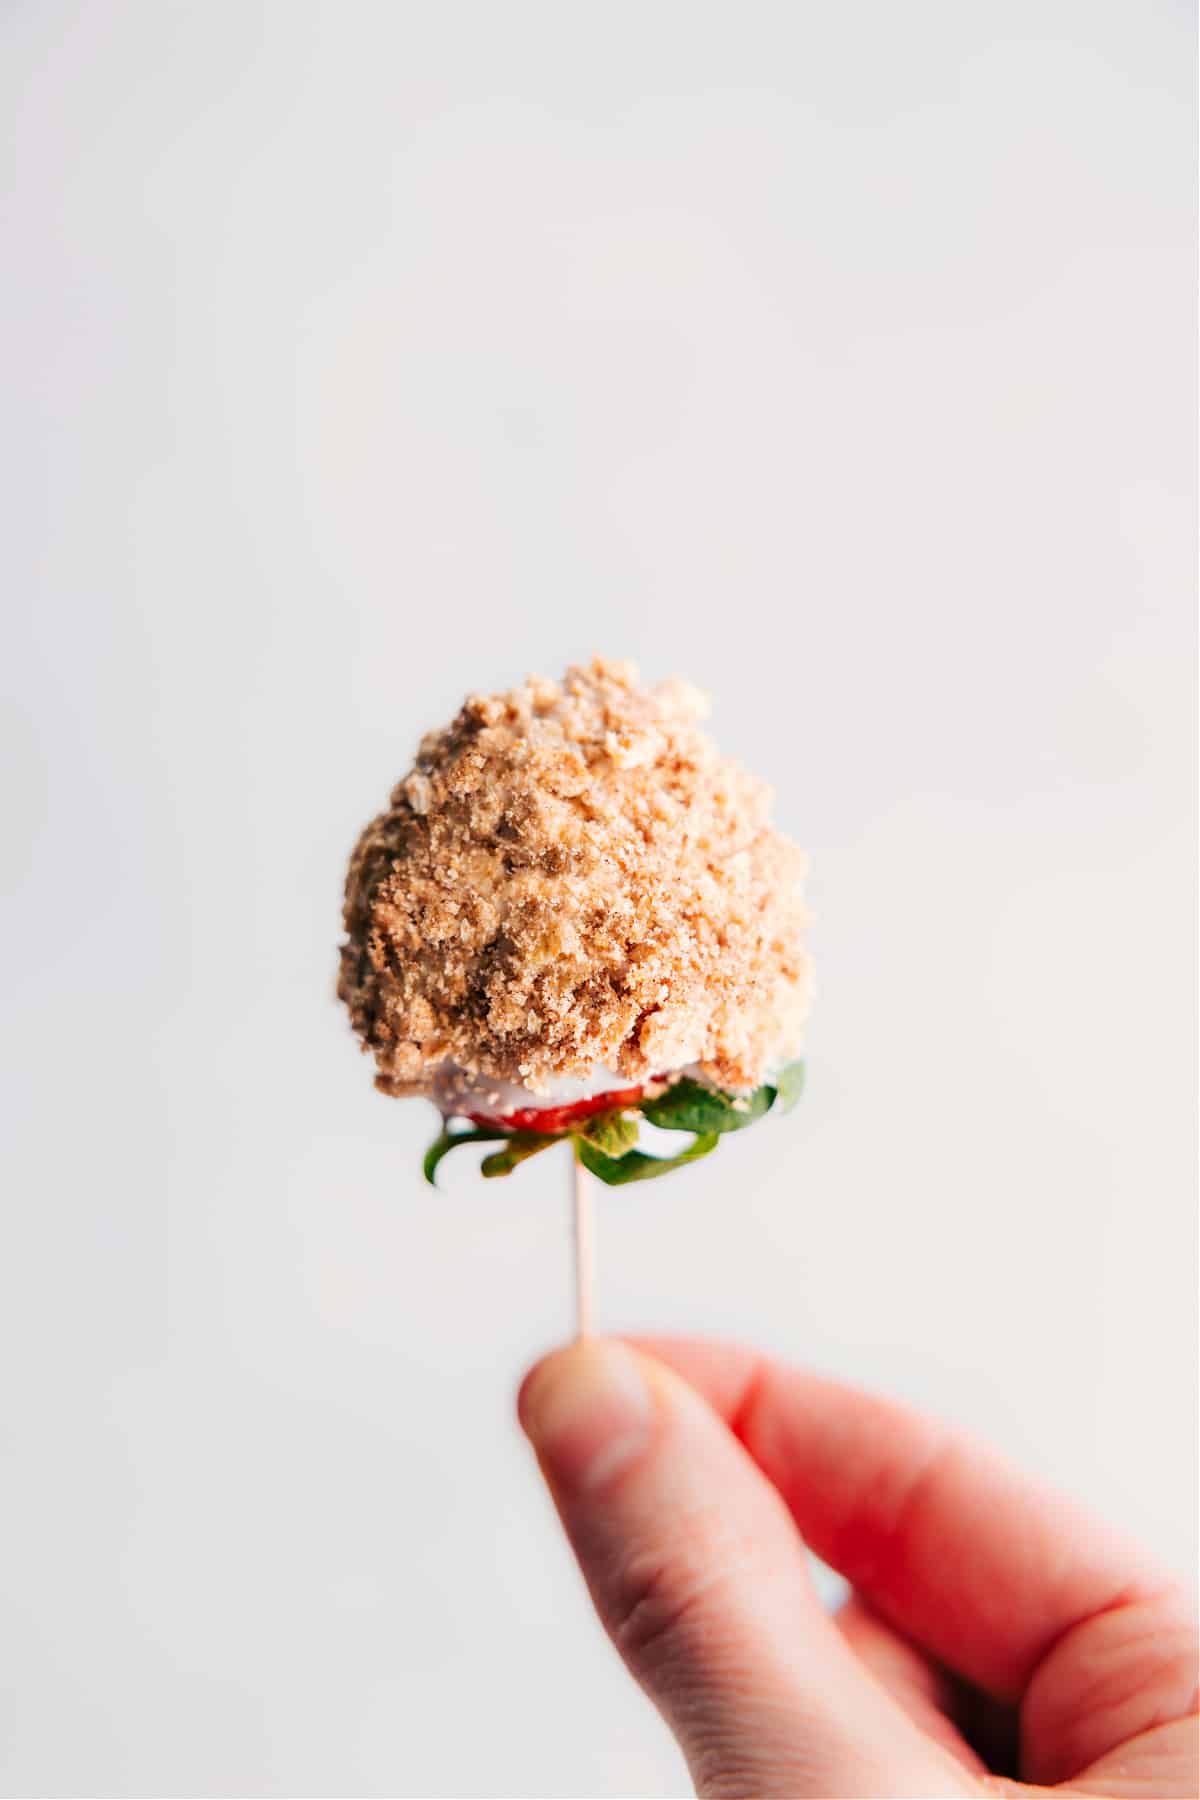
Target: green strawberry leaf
{"points": [[789, 1085], [519, 1148], [611, 1133], [448, 1140], [635, 1165], [605, 1143], [690, 1106]]}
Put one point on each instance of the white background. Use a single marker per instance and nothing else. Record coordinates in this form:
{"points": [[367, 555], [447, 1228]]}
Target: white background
{"points": [[838, 356]]}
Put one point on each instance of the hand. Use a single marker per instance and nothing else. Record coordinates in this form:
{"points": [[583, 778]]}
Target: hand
{"points": [[984, 1613]]}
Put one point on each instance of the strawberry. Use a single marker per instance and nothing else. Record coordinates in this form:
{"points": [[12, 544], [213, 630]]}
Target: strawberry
{"points": [[608, 1147], [551, 1119]]}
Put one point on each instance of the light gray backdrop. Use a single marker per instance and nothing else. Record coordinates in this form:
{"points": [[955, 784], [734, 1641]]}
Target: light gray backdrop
{"points": [[836, 355]]}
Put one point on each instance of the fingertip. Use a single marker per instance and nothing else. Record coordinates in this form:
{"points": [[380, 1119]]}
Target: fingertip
{"points": [[587, 1410], [531, 1378]]}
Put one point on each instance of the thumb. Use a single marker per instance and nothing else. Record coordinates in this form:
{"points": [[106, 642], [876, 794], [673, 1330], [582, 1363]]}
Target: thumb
{"points": [[699, 1576]]}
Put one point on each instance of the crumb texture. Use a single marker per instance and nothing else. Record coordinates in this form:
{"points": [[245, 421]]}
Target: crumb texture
{"points": [[572, 876]]}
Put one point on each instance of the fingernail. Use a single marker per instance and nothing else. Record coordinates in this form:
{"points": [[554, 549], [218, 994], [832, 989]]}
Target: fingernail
{"points": [[587, 1411]]}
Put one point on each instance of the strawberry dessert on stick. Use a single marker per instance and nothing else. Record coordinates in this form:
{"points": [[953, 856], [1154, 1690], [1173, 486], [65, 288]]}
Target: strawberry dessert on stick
{"points": [[575, 916]]}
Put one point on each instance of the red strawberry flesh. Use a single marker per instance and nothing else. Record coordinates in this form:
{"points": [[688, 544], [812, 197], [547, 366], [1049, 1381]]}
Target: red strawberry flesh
{"points": [[551, 1119]]}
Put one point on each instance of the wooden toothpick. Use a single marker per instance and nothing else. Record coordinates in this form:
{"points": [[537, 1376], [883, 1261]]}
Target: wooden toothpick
{"points": [[584, 1245]]}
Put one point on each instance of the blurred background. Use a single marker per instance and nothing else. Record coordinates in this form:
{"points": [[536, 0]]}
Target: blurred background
{"points": [[838, 356]]}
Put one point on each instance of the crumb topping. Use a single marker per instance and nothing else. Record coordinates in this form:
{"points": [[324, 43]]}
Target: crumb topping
{"points": [[572, 876]]}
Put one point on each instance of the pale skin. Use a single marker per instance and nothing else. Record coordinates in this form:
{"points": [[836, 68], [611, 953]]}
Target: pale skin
{"points": [[993, 1632]]}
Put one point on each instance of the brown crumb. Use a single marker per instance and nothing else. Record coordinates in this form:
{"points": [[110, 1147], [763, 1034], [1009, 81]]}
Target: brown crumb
{"points": [[571, 877]]}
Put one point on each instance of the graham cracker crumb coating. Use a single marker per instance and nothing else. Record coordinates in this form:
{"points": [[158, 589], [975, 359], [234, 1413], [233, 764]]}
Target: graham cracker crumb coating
{"points": [[572, 877]]}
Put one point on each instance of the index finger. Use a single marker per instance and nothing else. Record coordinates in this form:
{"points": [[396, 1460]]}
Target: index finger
{"points": [[946, 1541]]}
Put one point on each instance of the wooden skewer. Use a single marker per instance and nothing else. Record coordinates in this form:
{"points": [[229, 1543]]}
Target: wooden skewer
{"points": [[584, 1244]]}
